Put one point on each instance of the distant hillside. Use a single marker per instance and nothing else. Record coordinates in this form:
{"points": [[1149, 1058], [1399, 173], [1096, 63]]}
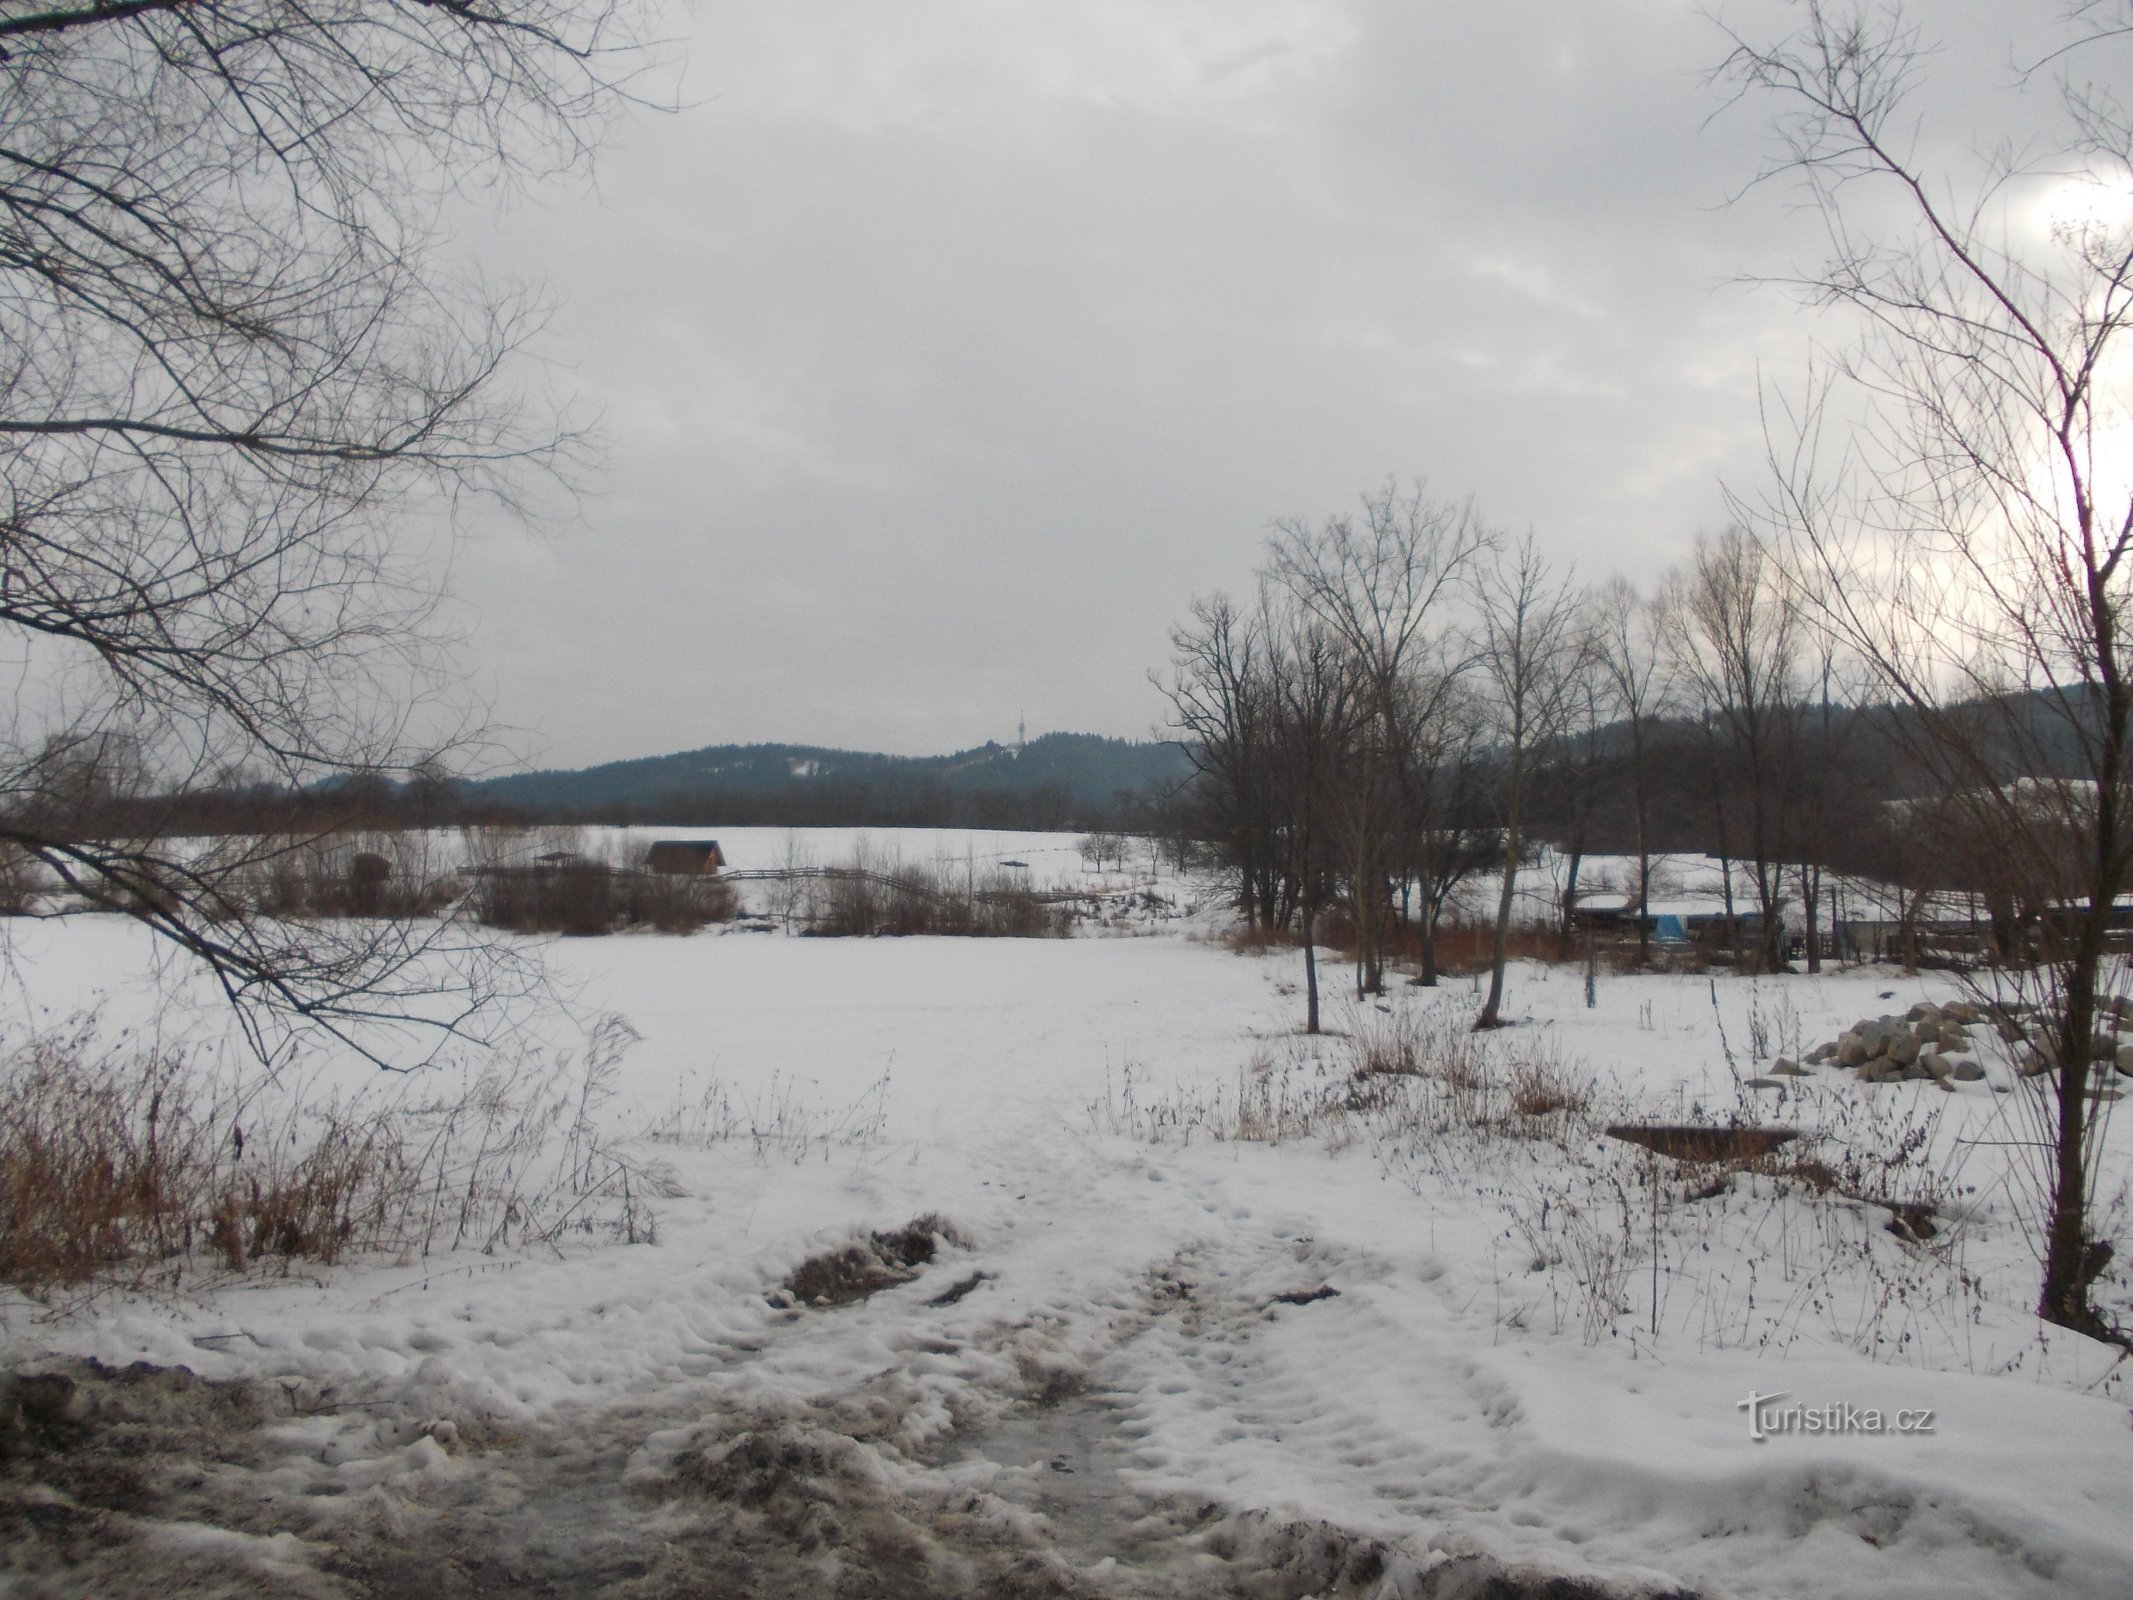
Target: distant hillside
{"points": [[1075, 777]]}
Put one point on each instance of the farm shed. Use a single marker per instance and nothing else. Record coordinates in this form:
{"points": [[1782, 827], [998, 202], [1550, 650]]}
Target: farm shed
{"points": [[685, 857]]}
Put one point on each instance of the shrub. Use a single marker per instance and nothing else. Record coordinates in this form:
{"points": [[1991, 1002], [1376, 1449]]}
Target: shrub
{"points": [[142, 1162], [576, 898], [1467, 947], [19, 876], [869, 898], [352, 873], [583, 898]]}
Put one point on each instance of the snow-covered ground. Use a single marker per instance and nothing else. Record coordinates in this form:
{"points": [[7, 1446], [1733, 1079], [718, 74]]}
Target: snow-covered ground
{"points": [[1151, 1356]]}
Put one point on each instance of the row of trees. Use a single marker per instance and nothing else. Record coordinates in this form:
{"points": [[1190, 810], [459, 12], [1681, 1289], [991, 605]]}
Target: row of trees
{"points": [[1411, 698]]}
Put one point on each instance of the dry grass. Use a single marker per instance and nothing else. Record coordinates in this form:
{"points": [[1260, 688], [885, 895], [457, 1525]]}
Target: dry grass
{"points": [[1413, 1073], [1272, 1099], [779, 1120], [144, 1164], [1542, 1086], [129, 1162]]}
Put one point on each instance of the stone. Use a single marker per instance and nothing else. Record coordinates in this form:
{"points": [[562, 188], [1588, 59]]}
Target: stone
{"points": [[1766, 1083], [1934, 1063], [1787, 1069], [1851, 1050], [1953, 1041], [1924, 1011], [1903, 1050], [1967, 1072], [1821, 1053]]}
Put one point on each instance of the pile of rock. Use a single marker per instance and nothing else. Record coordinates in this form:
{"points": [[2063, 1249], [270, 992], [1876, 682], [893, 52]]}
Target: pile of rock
{"points": [[1928, 1041], [1935, 1041]]}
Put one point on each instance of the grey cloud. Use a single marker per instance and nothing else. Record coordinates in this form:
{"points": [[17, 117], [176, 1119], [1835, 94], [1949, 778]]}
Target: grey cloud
{"points": [[946, 351]]}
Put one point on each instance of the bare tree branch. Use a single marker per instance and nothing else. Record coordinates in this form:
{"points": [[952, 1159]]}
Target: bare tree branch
{"points": [[237, 383]]}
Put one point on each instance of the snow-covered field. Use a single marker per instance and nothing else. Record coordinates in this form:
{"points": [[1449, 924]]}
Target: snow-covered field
{"points": [[1150, 1356]]}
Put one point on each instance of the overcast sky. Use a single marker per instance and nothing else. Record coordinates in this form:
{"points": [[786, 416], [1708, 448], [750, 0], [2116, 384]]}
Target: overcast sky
{"points": [[945, 350]]}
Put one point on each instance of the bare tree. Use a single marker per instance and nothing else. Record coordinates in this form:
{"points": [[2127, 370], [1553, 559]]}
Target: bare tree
{"points": [[1222, 704], [1532, 653], [1571, 775], [1321, 705], [1970, 537], [1447, 822], [1828, 780], [1382, 587], [1631, 662], [1735, 643], [234, 373]]}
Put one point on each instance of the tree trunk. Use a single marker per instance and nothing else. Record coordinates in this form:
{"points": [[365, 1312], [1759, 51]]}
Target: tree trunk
{"points": [[1310, 934], [1492, 1011], [1426, 891], [1810, 904], [2071, 1260], [1725, 881], [1769, 881], [1640, 802], [1569, 908]]}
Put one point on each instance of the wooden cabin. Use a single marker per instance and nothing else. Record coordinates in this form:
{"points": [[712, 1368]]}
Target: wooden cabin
{"points": [[688, 858]]}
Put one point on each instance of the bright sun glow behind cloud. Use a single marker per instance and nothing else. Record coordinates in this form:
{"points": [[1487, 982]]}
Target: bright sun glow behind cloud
{"points": [[2083, 203]]}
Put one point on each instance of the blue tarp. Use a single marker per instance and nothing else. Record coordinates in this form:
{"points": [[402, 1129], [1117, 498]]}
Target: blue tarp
{"points": [[1669, 930]]}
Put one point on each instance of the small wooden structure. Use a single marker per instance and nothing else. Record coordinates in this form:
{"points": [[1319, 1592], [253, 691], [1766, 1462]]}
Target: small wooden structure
{"points": [[692, 858]]}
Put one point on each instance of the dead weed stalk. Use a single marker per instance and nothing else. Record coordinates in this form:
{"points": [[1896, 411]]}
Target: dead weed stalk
{"points": [[144, 1162]]}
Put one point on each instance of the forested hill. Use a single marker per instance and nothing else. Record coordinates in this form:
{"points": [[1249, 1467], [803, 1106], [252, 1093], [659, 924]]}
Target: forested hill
{"points": [[1073, 775]]}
